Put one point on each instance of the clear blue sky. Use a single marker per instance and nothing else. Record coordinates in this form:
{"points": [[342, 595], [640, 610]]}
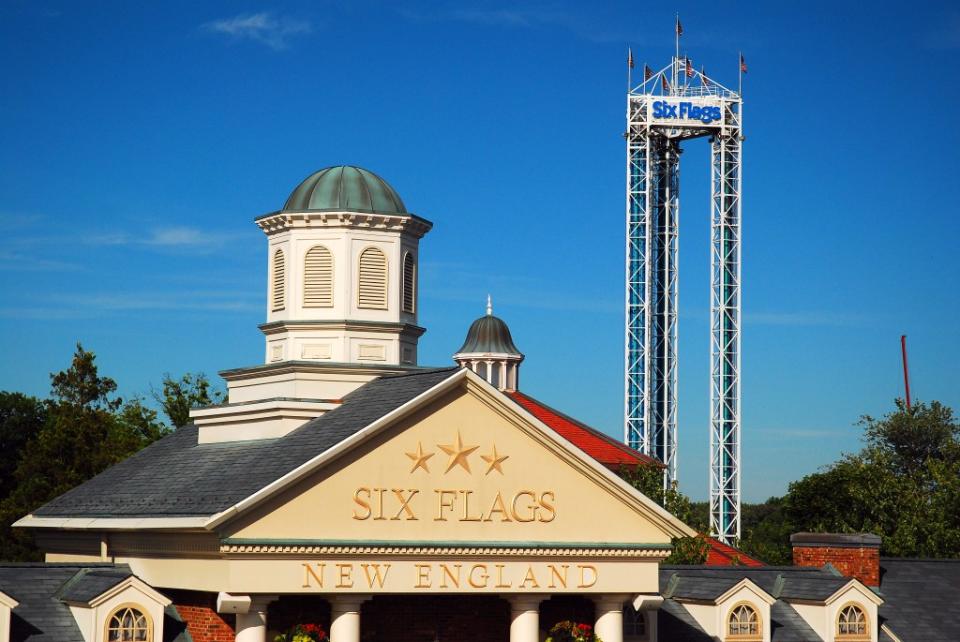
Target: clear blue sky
{"points": [[138, 143]]}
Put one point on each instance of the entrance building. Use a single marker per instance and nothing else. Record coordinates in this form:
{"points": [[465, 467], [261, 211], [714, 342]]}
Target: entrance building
{"points": [[342, 484]]}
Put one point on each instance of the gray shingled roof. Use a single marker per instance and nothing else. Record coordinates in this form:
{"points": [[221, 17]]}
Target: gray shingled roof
{"points": [[40, 617], [88, 583], [788, 582], [177, 477], [786, 625], [920, 599], [43, 616]]}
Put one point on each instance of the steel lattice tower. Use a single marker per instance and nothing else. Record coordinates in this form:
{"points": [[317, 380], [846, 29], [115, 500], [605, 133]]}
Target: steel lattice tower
{"points": [[670, 106]]}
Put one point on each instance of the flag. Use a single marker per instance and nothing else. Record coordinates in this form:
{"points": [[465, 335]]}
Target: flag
{"points": [[679, 27], [703, 76], [663, 80], [688, 65], [629, 58], [647, 73], [743, 64]]}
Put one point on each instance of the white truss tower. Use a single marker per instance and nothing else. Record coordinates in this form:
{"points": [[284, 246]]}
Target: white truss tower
{"points": [[671, 106]]}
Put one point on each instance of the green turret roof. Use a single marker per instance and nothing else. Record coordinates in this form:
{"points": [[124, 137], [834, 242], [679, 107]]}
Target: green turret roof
{"points": [[345, 187]]}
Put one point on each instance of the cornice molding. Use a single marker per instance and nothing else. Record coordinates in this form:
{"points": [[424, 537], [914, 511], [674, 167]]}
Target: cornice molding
{"points": [[278, 327], [282, 221]]}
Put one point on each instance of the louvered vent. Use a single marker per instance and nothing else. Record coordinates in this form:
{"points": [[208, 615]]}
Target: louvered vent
{"points": [[318, 278], [373, 279], [409, 283], [279, 280]]}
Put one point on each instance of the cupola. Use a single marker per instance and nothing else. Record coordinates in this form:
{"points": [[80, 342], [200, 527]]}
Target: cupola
{"points": [[490, 352]]}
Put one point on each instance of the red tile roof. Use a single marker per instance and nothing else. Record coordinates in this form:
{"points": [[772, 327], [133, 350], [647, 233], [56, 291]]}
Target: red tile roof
{"points": [[722, 555], [604, 448]]}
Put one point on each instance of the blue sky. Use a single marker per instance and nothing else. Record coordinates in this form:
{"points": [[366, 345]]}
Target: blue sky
{"points": [[139, 142]]}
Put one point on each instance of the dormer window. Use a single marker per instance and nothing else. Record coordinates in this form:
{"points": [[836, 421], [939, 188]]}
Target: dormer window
{"points": [[852, 623], [129, 624], [743, 623]]}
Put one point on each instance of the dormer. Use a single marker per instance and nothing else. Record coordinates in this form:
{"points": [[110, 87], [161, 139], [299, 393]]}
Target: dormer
{"points": [[848, 615]]}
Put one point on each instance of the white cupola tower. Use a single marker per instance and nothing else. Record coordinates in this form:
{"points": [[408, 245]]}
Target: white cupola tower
{"points": [[489, 351], [342, 299], [342, 258]]}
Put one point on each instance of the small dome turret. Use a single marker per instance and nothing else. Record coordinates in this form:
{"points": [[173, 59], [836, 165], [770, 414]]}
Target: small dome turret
{"points": [[489, 351], [347, 188]]}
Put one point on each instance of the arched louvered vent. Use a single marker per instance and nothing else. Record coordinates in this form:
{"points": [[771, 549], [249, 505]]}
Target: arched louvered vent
{"points": [[318, 278], [279, 281], [409, 283], [373, 279]]}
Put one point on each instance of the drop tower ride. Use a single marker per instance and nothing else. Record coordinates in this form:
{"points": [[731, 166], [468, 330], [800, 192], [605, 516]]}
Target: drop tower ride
{"points": [[670, 106]]}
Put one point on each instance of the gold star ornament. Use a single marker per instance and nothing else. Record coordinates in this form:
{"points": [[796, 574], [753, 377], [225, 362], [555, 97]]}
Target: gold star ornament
{"points": [[494, 460], [419, 458], [458, 454]]}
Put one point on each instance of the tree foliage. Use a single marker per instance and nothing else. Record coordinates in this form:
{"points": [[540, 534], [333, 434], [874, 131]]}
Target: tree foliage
{"points": [[649, 481], [904, 485], [85, 429], [178, 396]]}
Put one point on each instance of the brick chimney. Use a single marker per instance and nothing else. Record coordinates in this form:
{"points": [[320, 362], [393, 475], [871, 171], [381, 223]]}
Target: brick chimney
{"points": [[854, 555]]}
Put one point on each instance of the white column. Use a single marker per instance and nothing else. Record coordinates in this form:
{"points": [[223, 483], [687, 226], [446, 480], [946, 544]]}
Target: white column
{"points": [[525, 618], [609, 626], [252, 625], [345, 617]]}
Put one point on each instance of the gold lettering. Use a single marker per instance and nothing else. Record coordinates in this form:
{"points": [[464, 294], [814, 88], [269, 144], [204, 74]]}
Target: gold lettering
{"points": [[498, 507], [445, 573], [344, 575], [380, 579], [379, 492], [466, 507], [555, 575], [484, 576], [423, 576], [405, 503], [533, 507], [583, 580], [548, 506], [529, 577], [500, 582], [441, 504], [362, 504], [308, 572]]}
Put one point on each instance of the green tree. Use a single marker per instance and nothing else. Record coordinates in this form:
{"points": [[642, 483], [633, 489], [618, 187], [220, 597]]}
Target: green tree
{"points": [[178, 396], [904, 485], [86, 430], [649, 481], [21, 418]]}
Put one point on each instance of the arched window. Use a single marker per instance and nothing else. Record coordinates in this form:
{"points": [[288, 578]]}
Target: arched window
{"points": [[409, 283], [318, 278], [743, 623], [279, 281], [372, 292], [634, 623], [129, 624], [852, 623]]}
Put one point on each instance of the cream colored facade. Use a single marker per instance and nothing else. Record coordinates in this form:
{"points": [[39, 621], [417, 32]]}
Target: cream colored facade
{"points": [[459, 491]]}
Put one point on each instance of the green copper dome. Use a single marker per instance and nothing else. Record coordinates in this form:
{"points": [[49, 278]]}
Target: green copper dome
{"points": [[345, 187]]}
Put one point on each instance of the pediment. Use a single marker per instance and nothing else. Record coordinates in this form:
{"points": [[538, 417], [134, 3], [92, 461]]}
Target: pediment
{"points": [[467, 466]]}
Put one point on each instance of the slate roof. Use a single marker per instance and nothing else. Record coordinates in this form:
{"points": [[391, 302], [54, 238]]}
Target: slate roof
{"points": [[88, 583], [787, 582], [177, 477], [920, 599], [41, 589], [40, 617]]}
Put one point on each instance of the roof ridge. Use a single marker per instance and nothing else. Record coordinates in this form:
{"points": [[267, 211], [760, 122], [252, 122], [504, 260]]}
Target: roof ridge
{"points": [[598, 433], [415, 373]]}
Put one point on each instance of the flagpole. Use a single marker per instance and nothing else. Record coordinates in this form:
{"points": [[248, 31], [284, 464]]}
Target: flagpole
{"points": [[676, 59], [740, 75], [629, 69]]}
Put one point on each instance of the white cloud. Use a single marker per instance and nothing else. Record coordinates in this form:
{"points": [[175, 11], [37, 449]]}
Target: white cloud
{"points": [[263, 27], [19, 262]]}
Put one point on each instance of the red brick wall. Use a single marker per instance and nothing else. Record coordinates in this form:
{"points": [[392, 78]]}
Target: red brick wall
{"points": [[862, 563], [198, 611]]}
